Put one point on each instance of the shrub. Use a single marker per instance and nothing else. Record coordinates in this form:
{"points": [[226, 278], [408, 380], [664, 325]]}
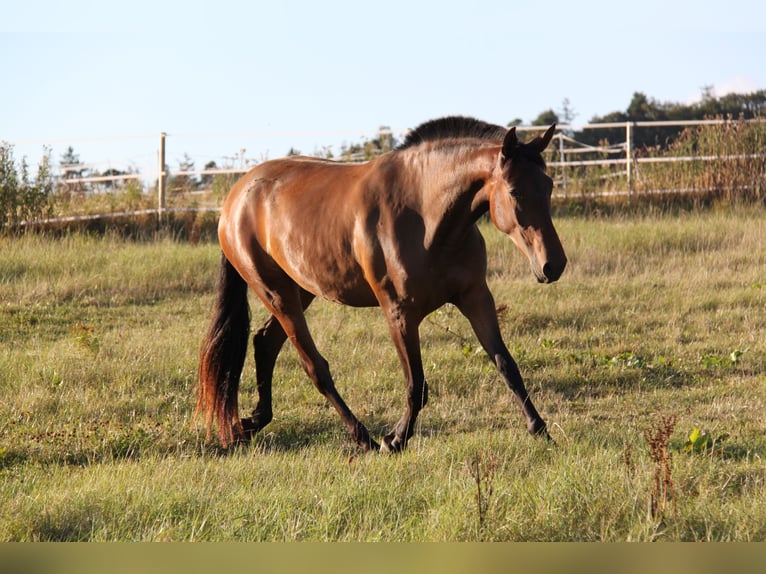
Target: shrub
{"points": [[20, 198]]}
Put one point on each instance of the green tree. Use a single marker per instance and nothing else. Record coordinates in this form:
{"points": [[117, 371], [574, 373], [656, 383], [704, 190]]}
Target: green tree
{"points": [[546, 118], [568, 114], [72, 169], [206, 179], [112, 172], [645, 109], [184, 182]]}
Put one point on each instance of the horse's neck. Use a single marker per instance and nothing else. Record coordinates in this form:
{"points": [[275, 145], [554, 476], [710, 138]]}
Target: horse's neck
{"points": [[454, 192]]}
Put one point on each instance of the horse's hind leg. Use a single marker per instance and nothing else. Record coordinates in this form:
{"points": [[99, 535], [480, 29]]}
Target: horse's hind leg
{"points": [[287, 303], [267, 343], [318, 370]]}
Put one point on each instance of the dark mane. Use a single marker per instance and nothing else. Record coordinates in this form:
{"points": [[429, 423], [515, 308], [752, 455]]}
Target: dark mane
{"points": [[452, 127], [465, 127]]}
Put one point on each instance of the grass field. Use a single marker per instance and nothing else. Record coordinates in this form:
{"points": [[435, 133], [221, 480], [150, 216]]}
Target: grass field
{"points": [[655, 330]]}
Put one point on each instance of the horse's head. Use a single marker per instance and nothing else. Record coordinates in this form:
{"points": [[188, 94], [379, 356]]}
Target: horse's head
{"points": [[520, 204]]}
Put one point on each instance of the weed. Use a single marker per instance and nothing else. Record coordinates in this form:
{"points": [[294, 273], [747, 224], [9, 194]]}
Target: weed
{"points": [[548, 343], [85, 337], [658, 439], [482, 468], [711, 361], [628, 360], [627, 459], [736, 354], [702, 442]]}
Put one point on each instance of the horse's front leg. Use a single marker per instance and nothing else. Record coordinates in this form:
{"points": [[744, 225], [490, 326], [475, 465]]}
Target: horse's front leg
{"points": [[478, 306], [404, 332]]}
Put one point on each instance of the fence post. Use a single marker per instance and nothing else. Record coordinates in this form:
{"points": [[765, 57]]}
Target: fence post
{"points": [[563, 162], [629, 156], [161, 179]]}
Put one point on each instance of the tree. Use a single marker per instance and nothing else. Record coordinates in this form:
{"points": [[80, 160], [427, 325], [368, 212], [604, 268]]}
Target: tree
{"points": [[112, 172], [641, 109], [184, 182], [568, 114], [546, 118], [645, 109], [206, 179], [70, 164], [72, 169]]}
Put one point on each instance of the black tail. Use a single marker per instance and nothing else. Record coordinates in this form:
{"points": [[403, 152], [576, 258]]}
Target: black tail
{"points": [[223, 355]]}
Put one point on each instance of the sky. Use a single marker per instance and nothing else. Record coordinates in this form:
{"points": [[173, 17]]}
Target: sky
{"points": [[264, 76]]}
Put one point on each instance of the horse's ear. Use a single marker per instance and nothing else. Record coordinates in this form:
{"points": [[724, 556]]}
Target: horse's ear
{"points": [[510, 143], [540, 143]]}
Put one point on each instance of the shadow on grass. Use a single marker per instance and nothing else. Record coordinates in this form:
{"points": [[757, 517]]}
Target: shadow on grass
{"points": [[298, 435], [619, 377], [67, 525], [74, 446]]}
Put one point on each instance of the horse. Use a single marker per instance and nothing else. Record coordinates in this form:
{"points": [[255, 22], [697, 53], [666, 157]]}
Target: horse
{"points": [[399, 232]]}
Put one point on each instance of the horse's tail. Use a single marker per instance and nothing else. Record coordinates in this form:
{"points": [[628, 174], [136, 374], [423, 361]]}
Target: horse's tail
{"points": [[222, 355]]}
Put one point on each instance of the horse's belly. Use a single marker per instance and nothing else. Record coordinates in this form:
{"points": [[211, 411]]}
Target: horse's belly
{"points": [[327, 280], [353, 295], [359, 298]]}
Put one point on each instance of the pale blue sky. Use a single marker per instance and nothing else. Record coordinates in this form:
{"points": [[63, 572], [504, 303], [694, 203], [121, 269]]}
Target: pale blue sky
{"points": [[322, 72]]}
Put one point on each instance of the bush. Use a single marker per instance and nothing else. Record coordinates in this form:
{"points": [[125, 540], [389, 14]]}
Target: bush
{"points": [[20, 198]]}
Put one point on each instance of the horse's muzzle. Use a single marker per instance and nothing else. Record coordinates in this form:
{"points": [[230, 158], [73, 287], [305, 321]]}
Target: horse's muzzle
{"points": [[551, 272]]}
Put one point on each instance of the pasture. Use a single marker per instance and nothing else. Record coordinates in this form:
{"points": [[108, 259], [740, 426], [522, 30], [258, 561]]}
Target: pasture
{"points": [[652, 337]]}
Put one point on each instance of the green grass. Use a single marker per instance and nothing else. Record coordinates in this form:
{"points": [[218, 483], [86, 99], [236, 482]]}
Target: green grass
{"points": [[656, 315]]}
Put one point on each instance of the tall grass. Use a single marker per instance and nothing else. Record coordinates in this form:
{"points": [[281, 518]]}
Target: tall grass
{"points": [[723, 163], [736, 175], [656, 315]]}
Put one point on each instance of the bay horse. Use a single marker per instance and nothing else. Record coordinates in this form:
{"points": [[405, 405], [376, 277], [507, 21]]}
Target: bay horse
{"points": [[399, 232]]}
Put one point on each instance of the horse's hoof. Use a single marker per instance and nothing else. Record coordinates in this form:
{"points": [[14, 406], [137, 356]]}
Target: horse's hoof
{"points": [[245, 432], [390, 445], [249, 426], [542, 433], [373, 446]]}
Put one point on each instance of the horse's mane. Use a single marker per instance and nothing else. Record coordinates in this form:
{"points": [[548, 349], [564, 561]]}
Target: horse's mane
{"points": [[455, 127], [452, 127]]}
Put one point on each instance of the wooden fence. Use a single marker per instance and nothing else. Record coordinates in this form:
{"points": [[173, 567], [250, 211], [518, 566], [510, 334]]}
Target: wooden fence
{"points": [[564, 156]]}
